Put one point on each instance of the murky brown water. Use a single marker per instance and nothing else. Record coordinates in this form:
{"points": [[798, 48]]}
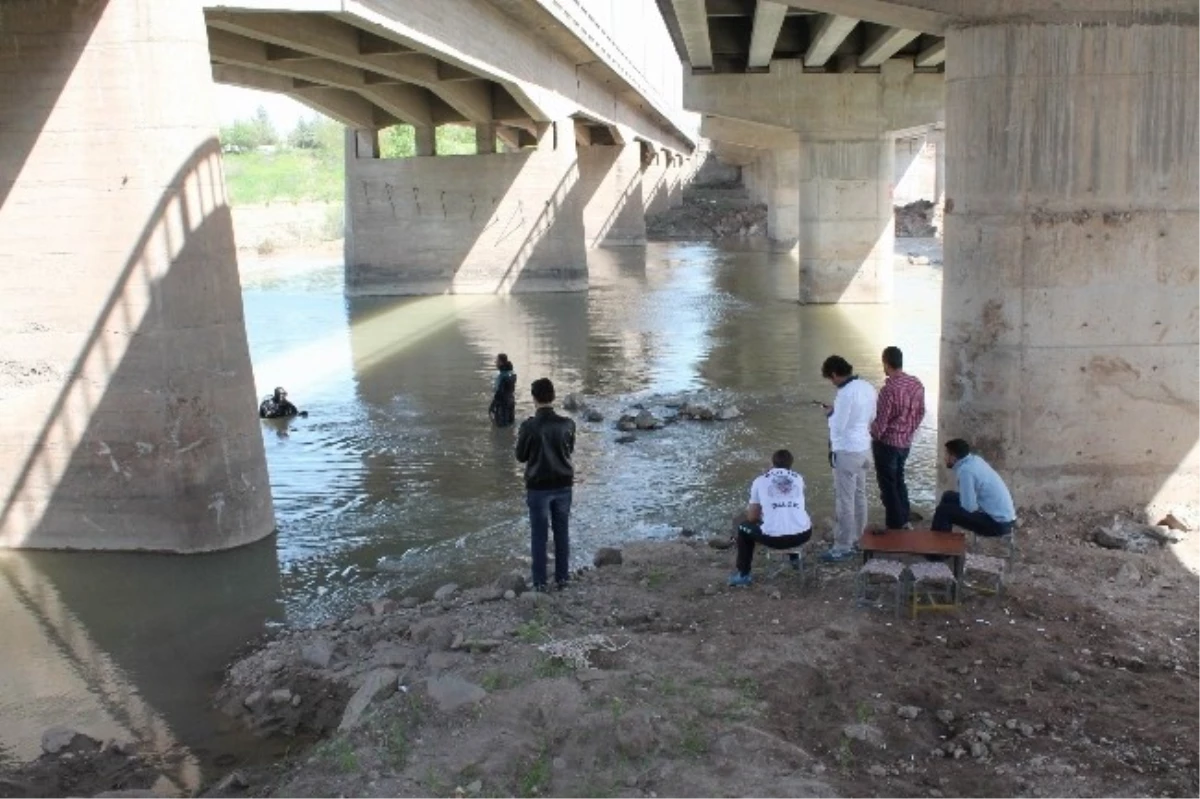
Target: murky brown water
{"points": [[398, 462]]}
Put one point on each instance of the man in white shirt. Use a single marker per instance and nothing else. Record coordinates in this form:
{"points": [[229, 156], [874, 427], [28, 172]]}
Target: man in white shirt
{"points": [[776, 516], [850, 420]]}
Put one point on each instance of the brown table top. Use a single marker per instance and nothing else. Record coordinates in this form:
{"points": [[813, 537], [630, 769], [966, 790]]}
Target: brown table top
{"points": [[915, 542]]}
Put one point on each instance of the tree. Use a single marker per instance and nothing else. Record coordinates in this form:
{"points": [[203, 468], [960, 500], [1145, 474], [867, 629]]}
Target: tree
{"points": [[262, 124], [249, 134], [304, 135]]}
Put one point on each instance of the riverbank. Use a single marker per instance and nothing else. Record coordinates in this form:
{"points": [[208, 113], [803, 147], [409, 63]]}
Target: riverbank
{"points": [[651, 677]]}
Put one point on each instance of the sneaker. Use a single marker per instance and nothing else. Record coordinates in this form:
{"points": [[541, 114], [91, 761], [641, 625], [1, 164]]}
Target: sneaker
{"points": [[906, 526], [739, 580], [561, 585], [539, 588], [833, 556]]}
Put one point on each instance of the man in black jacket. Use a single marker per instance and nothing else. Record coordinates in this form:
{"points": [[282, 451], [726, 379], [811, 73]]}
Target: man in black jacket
{"points": [[545, 442]]}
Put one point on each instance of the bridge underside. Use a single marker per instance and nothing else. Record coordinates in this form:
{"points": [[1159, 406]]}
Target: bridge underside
{"points": [[127, 381], [1070, 310]]}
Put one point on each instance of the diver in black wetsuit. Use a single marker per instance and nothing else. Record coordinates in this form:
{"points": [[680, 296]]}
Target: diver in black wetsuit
{"points": [[503, 409], [277, 406]]}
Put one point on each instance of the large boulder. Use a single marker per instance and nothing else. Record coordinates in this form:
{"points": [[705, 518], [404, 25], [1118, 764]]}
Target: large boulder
{"points": [[607, 556], [627, 423], [378, 684]]}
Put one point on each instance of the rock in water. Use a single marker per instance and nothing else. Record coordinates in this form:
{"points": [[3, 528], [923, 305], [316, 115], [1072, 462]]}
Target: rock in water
{"points": [[380, 683], [647, 421], [607, 556], [57, 738], [572, 402], [594, 416], [627, 424], [445, 592], [728, 413]]}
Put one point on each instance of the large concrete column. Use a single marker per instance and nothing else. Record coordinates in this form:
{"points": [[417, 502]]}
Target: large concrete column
{"points": [[610, 190], [847, 230], [1069, 347], [468, 224], [129, 408]]}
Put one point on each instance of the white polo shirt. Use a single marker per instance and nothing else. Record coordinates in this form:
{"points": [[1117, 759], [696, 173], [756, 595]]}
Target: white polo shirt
{"points": [[853, 412], [780, 494]]}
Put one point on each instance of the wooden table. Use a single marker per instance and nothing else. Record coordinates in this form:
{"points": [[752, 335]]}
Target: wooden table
{"points": [[919, 542]]}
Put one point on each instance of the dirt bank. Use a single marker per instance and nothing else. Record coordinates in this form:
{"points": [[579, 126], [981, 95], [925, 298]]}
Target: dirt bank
{"points": [[709, 213], [1082, 681], [273, 227]]}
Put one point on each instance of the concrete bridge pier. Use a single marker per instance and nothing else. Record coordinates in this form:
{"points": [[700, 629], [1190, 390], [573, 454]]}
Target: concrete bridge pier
{"points": [[1070, 311], [129, 408], [611, 186], [471, 224]]}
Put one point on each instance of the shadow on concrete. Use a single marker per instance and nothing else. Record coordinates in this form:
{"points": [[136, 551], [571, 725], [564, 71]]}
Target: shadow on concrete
{"points": [[132, 492]]}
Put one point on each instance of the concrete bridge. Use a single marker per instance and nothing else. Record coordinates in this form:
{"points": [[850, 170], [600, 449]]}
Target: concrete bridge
{"points": [[1070, 341], [126, 378], [1070, 313]]}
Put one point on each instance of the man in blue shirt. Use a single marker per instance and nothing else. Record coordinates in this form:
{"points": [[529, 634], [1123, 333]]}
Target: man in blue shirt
{"points": [[982, 503]]}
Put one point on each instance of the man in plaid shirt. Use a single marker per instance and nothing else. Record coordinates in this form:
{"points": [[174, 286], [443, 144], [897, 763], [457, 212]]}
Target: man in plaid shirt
{"points": [[898, 414]]}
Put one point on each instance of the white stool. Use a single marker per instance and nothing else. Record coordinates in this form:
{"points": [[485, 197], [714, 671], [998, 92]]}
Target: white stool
{"points": [[891, 572]]}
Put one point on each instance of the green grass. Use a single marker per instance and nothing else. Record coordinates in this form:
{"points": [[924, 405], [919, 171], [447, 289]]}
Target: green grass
{"points": [[695, 741], [551, 668], [284, 176], [318, 175], [338, 754], [536, 776]]}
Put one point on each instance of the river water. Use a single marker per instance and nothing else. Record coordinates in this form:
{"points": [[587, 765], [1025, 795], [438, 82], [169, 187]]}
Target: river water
{"points": [[397, 464]]}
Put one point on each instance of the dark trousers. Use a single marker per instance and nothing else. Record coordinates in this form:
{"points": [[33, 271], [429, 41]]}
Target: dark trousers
{"points": [[550, 509], [750, 533], [950, 512], [893, 491]]}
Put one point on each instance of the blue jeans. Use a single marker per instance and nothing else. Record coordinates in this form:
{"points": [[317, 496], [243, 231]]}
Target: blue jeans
{"points": [[950, 512], [893, 491], [549, 509]]}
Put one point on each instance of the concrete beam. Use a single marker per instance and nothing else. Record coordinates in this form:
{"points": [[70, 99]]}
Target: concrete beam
{"points": [[932, 55], [337, 41], [833, 31], [347, 107], [748, 134], [768, 19], [252, 79], [896, 15], [693, 23], [402, 101], [886, 45]]}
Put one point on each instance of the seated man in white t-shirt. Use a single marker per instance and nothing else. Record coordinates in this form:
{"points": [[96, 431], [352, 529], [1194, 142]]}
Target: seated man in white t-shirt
{"points": [[776, 516]]}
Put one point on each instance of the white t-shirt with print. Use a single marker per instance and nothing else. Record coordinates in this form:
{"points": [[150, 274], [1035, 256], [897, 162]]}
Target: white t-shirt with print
{"points": [[780, 494]]}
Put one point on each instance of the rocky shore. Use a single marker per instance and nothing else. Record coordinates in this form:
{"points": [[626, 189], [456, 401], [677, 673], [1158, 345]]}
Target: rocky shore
{"points": [[648, 676]]}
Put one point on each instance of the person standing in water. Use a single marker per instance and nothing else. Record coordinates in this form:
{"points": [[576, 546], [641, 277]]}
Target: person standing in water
{"points": [[503, 409]]}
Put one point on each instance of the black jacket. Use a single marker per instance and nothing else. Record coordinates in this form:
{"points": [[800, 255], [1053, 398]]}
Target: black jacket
{"points": [[544, 444]]}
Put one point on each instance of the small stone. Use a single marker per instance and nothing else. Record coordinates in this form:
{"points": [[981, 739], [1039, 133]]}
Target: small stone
{"points": [[1110, 538], [409, 602], [978, 749], [876, 770], [281, 696], [233, 781], [710, 590], [721, 542], [572, 402], [380, 683], [559, 764], [775, 594], [445, 592], [607, 556], [945, 715], [728, 413], [473, 788], [626, 439], [908, 712], [58, 738], [1073, 677], [317, 653], [297, 700], [1011, 724], [626, 424], [510, 594], [381, 607], [959, 753], [1027, 730], [252, 699], [451, 692], [631, 781], [594, 416], [865, 733], [645, 420], [936, 753], [687, 532]]}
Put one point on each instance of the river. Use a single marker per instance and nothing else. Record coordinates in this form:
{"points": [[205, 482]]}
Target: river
{"points": [[397, 463]]}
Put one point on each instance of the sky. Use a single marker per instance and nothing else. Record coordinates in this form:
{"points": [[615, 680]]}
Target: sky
{"points": [[234, 102]]}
